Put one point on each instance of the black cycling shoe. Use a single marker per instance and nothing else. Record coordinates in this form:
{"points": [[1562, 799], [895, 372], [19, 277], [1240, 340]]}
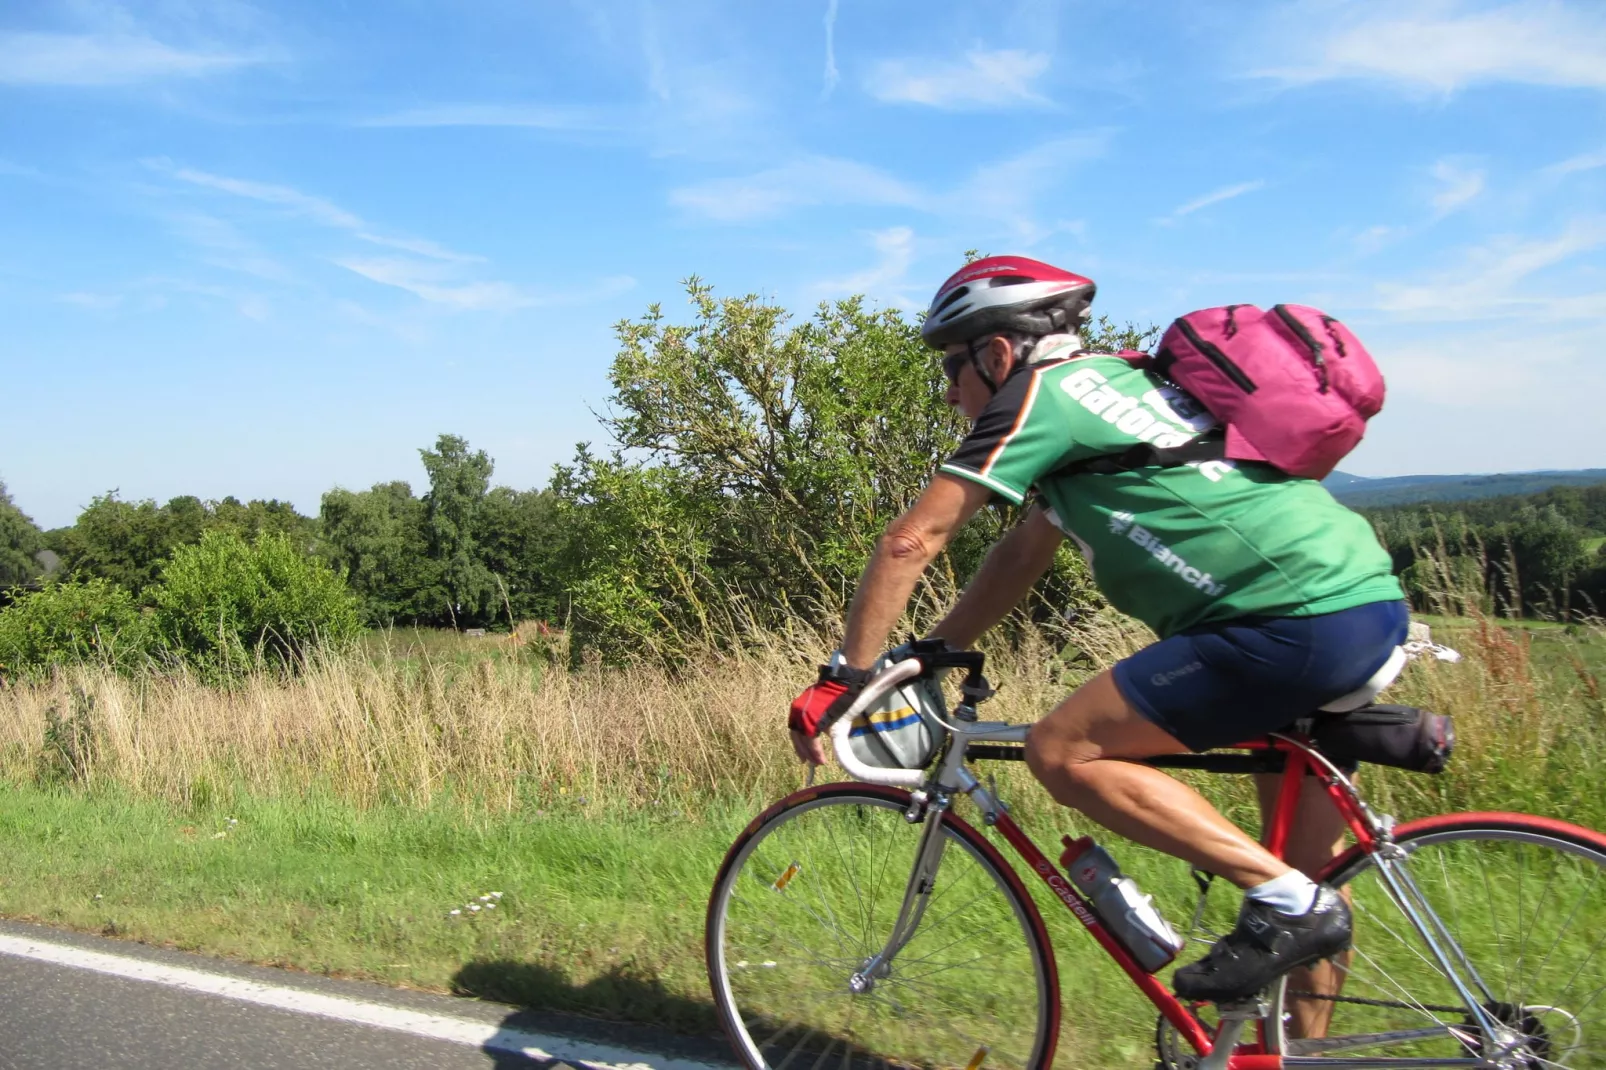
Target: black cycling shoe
{"points": [[1265, 945]]}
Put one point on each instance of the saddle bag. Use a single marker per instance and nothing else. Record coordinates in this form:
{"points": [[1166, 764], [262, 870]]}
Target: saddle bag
{"points": [[1402, 737]]}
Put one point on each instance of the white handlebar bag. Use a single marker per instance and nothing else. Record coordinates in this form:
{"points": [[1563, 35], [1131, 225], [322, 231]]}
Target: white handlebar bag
{"points": [[904, 729]]}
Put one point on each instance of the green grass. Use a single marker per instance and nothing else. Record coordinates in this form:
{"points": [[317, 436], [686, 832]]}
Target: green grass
{"points": [[601, 912], [603, 899], [597, 915]]}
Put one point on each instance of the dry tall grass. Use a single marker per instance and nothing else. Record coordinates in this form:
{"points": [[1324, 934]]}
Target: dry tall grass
{"points": [[380, 727]]}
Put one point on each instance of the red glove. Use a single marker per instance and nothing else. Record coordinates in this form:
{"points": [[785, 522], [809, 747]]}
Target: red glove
{"points": [[819, 705]]}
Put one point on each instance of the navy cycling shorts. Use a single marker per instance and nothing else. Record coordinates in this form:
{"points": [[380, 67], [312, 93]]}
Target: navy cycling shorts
{"points": [[1222, 683]]}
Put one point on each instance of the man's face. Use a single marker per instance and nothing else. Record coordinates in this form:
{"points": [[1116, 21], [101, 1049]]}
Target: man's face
{"points": [[966, 390]]}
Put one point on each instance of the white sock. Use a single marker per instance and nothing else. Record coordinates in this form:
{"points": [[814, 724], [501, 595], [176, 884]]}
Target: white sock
{"points": [[1292, 893]]}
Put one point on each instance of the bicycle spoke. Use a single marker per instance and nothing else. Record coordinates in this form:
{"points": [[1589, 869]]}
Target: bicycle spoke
{"points": [[1518, 911], [1577, 906], [971, 966]]}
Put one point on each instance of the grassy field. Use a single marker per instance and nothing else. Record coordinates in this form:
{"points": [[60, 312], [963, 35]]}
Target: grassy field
{"points": [[332, 823]]}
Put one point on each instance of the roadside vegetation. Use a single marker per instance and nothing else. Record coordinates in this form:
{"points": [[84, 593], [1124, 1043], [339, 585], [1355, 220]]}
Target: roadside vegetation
{"points": [[333, 820]]}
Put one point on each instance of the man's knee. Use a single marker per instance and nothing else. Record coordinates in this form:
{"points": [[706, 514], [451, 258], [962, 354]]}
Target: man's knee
{"points": [[1051, 754]]}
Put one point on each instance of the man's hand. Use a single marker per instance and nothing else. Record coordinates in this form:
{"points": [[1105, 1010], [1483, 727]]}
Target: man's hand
{"points": [[812, 713]]}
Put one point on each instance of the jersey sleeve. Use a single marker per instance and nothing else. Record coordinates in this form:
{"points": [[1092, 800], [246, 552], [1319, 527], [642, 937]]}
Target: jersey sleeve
{"points": [[1018, 438]]}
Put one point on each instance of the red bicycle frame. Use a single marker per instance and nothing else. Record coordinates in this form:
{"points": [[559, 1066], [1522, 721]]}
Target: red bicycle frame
{"points": [[1297, 764]]}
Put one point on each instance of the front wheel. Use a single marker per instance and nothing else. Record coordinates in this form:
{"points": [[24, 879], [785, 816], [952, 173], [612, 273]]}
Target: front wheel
{"points": [[806, 968], [1515, 903]]}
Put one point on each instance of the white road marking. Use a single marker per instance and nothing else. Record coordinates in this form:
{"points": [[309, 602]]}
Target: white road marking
{"points": [[379, 1015]]}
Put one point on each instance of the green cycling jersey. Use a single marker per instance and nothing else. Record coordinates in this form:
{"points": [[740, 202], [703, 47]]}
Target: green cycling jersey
{"points": [[1173, 546]]}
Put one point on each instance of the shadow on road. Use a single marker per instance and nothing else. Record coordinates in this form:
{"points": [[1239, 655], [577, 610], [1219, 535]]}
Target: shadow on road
{"points": [[552, 1003]]}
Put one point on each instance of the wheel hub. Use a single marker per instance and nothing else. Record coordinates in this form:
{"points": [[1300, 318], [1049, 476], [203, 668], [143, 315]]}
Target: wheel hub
{"points": [[1521, 1043]]}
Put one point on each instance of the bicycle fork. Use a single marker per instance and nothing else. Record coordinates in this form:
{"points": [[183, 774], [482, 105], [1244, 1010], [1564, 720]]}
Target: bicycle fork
{"points": [[916, 895]]}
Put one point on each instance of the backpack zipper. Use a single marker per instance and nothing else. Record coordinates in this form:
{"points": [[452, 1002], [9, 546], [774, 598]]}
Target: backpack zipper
{"points": [[1304, 335], [1214, 355]]}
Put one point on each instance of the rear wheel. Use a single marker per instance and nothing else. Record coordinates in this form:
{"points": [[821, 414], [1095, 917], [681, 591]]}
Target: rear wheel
{"points": [[799, 925], [1517, 903]]}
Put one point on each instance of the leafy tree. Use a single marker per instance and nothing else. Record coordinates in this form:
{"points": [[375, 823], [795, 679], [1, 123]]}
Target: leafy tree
{"points": [[519, 534], [223, 603], [65, 624], [256, 517], [20, 540], [129, 542], [377, 538], [126, 543], [756, 461], [458, 481]]}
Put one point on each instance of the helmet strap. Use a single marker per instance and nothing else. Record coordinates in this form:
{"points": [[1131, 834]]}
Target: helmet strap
{"points": [[981, 371]]}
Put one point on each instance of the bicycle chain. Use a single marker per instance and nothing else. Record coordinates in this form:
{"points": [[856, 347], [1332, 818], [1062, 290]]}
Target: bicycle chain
{"points": [[1436, 1007]]}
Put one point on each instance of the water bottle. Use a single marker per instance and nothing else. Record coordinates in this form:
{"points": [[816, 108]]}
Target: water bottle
{"points": [[1126, 912]]}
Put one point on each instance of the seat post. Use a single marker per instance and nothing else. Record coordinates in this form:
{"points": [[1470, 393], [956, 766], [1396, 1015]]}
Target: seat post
{"points": [[1297, 763]]}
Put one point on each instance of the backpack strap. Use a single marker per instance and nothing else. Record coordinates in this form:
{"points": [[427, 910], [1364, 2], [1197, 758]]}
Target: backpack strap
{"points": [[1210, 446]]}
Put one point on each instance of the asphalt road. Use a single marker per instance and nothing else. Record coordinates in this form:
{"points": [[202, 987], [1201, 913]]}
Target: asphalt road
{"points": [[70, 1001]]}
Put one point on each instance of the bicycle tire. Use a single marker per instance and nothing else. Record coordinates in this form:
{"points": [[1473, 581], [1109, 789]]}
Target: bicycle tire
{"points": [[1488, 877], [960, 976]]}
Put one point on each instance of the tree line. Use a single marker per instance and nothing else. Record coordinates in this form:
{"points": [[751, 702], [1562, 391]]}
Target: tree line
{"points": [[1541, 554], [752, 459]]}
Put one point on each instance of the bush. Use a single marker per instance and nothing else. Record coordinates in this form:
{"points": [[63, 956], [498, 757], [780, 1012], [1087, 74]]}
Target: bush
{"points": [[72, 623], [225, 604]]}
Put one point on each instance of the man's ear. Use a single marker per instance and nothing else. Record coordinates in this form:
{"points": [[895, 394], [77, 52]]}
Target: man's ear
{"points": [[1000, 358]]}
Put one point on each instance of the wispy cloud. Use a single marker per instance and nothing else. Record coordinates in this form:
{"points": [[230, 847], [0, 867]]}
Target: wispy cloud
{"points": [[1225, 193], [314, 208], [433, 283], [530, 116], [1442, 46], [832, 76], [1454, 185], [317, 209], [1501, 369], [61, 59], [895, 252], [434, 273], [422, 247], [93, 301], [1459, 186], [223, 246], [983, 79], [809, 180], [1588, 161], [1487, 282], [1008, 193], [1003, 193]]}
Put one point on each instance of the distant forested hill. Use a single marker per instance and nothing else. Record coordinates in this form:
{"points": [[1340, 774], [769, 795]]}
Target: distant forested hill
{"points": [[1538, 554], [1360, 492]]}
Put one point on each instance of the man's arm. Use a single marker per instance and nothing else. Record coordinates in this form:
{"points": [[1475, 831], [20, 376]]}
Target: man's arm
{"points": [[1015, 562], [909, 544]]}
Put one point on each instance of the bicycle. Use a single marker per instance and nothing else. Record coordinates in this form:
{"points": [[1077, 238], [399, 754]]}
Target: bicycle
{"points": [[865, 923]]}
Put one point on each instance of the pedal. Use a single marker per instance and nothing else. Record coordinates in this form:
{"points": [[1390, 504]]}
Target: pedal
{"points": [[1244, 1010]]}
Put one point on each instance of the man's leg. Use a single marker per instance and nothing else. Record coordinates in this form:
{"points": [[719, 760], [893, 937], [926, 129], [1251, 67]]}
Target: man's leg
{"points": [[1316, 839], [1075, 752]]}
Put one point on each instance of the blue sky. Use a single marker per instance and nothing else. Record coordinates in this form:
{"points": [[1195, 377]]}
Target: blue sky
{"points": [[267, 249]]}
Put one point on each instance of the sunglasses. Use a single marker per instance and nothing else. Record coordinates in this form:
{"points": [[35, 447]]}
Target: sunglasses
{"points": [[952, 364]]}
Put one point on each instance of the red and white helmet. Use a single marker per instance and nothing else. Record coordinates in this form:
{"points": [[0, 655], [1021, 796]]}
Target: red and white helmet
{"points": [[1006, 293]]}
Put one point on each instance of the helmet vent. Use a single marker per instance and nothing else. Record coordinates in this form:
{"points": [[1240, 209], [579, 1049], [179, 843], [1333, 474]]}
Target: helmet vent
{"points": [[950, 299], [1010, 280]]}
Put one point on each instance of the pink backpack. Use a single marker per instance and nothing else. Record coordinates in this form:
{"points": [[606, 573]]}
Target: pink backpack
{"points": [[1293, 386]]}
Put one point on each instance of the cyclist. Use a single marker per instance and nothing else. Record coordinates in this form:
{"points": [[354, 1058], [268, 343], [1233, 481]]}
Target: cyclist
{"points": [[1269, 598]]}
